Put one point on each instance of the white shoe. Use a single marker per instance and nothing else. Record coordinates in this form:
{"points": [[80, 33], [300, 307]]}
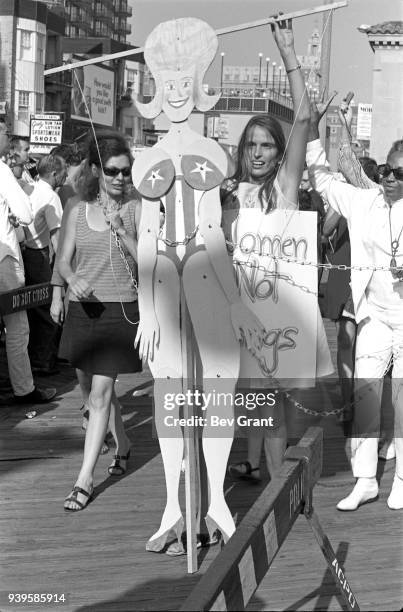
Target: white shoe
{"points": [[391, 452], [365, 491], [387, 451], [395, 499]]}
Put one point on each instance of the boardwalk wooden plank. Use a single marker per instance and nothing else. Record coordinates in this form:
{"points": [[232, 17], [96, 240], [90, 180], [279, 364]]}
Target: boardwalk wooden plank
{"points": [[98, 555]]}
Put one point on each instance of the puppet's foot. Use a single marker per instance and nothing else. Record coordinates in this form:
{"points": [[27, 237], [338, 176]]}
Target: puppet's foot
{"points": [[221, 521], [160, 541]]}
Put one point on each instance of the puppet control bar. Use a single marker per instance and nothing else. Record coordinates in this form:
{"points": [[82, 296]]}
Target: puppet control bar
{"points": [[219, 32]]}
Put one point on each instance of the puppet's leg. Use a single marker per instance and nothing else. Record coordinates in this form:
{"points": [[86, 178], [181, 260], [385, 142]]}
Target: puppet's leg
{"points": [[166, 369], [220, 356]]}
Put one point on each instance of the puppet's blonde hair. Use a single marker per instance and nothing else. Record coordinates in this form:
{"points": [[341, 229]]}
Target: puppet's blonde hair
{"points": [[177, 45]]}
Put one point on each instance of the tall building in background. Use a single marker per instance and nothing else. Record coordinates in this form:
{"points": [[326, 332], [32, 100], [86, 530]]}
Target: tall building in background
{"points": [[99, 92], [37, 36], [30, 38], [97, 18], [386, 40]]}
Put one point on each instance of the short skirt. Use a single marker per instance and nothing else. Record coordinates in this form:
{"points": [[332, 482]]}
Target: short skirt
{"points": [[98, 339]]}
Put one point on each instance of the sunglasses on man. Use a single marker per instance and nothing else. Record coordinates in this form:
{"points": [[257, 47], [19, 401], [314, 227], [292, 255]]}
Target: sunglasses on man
{"points": [[116, 171], [385, 170]]}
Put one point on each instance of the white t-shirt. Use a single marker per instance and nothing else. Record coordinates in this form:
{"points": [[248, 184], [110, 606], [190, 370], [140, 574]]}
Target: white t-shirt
{"points": [[47, 210], [13, 198]]}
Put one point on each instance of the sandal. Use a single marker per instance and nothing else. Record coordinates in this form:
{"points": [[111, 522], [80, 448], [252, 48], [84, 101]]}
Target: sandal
{"points": [[116, 464], [73, 497], [244, 471]]}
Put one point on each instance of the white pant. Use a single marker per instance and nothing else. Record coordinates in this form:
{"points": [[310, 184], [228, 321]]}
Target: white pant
{"points": [[380, 337], [17, 329]]}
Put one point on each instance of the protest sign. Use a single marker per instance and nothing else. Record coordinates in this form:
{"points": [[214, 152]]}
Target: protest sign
{"points": [[282, 294]]}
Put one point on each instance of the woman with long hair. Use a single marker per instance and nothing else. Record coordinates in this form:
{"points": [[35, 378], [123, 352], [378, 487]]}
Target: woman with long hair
{"points": [[101, 323], [267, 177]]}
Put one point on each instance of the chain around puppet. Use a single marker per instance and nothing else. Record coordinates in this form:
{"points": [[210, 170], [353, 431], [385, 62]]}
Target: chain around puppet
{"points": [[183, 171]]}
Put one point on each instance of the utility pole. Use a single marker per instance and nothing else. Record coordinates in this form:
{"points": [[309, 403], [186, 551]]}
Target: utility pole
{"points": [[325, 66]]}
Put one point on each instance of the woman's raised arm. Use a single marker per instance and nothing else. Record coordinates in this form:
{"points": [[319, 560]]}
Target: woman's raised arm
{"points": [[291, 170]]}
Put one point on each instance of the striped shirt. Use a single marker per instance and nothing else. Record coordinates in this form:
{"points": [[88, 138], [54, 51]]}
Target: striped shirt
{"points": [[98, 259]]}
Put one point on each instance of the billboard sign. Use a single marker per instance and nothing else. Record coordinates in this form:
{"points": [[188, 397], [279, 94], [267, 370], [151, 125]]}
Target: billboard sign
{"points": [[45, 132], [217, 127], [92, 95], [364, 121]]}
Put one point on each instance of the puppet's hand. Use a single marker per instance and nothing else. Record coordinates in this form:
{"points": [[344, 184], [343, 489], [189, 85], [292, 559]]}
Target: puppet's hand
{"points": [[148, 335], [247, 327]]}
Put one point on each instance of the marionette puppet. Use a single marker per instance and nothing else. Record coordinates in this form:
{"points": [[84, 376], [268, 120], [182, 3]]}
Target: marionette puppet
{"points": [[187, 257]]}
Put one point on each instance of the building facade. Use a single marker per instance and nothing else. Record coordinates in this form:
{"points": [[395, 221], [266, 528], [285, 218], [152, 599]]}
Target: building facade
{"points": [[30, 37], [386, 41], [98, 18], [131, 123]]}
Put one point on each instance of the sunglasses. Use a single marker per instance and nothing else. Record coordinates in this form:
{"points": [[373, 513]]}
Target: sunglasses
{"points": [[385, 170], [116, 171]]}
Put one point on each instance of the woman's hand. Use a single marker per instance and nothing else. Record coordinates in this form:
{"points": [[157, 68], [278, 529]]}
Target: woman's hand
{"points": [[148, 335], [114, 219], [318, 109], [247, 327], [345, 113], [57, 310], [283, 35], [80, 287], [13, 219]]}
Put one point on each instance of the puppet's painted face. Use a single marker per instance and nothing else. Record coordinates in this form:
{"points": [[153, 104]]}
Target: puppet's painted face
{"points": [[178, 100]]}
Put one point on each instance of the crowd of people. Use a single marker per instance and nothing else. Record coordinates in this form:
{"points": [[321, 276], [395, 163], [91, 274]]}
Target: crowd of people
{"points": [[76, 219]]}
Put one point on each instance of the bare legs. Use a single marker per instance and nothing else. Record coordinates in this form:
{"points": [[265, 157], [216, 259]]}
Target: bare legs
{"points": [[273, 440], [116, 427], [99, 405]]}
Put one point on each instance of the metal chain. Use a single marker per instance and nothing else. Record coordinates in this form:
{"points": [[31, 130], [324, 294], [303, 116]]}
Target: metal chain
{"points": [[175, 243], [325, 266], [123, 256], [325, 413], [287, 279]]}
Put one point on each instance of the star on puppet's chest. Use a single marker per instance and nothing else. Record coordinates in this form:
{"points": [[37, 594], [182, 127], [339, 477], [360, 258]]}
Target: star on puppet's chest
{"points": [[154, 177], [202, 169]]}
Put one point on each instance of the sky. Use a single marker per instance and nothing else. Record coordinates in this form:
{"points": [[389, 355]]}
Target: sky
{"points": [[351, 55]]}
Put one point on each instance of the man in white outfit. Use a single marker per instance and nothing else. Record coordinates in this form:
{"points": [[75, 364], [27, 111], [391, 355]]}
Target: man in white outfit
{"points": [[13, 198], [375, 222]]}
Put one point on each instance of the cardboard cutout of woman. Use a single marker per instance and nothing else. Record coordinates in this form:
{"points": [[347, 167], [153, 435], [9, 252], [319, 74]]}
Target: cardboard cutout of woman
{"points": [[183, 171]]}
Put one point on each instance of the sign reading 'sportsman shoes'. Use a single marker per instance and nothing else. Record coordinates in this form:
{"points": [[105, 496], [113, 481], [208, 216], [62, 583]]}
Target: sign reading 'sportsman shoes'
{"points": [[46, 132]]}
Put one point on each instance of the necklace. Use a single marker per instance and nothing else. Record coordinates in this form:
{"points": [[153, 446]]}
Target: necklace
{"points": [[110, 207], [394, 246]]}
